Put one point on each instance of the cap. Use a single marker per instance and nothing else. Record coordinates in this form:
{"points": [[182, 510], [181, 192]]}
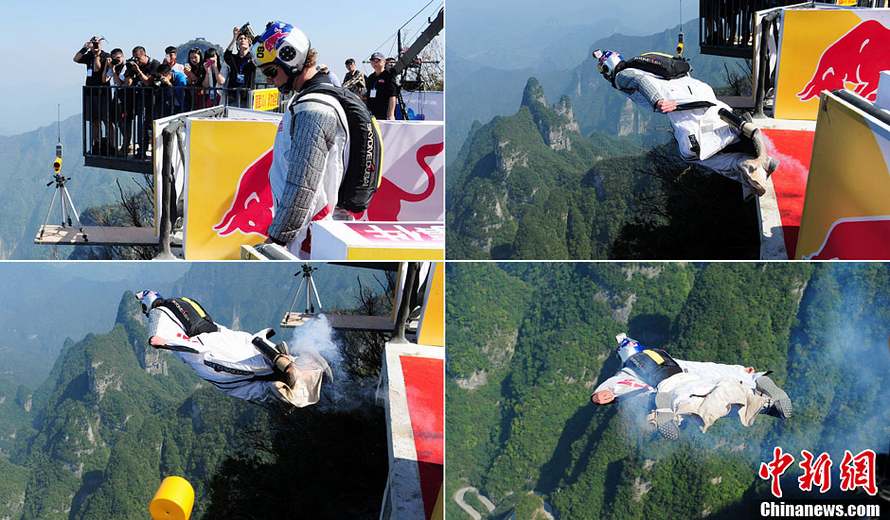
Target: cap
{"points": [[169, 49], [377, 56]]}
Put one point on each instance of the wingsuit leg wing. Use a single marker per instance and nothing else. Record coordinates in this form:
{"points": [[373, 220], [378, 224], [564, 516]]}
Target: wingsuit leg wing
{"points": [[780, 403]]}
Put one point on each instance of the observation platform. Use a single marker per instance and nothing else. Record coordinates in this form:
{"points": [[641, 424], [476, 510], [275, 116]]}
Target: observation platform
{"points": [[96, 236], [414, 380], [781, 208]]}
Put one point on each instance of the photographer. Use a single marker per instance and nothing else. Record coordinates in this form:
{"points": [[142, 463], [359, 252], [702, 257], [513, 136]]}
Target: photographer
{"points": [[354, 79], [213, 79], [95, 97], [114, 78], [194, 73], [139, 72], [242, 70], [171, 89]]}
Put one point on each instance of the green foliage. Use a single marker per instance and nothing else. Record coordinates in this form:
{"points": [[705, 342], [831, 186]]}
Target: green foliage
{"points": [[535, 430], [12, 488], [530, 186], [115, 417]]}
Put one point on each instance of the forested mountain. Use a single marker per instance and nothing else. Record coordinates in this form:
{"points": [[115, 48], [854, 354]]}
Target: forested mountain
{"points": [[531, 186], [114, 417], [591, 177], [529, 342], [480, 89]]}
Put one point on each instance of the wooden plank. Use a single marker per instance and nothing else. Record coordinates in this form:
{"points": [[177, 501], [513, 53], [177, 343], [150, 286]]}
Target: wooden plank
{"points": [[745, 102], [342, 321], [357, 322], [96, 236]]}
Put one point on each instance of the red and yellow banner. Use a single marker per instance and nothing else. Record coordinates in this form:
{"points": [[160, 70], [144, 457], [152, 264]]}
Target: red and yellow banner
{"points": [[829, 49], [847, 209], [228, 201], [229, 198]]}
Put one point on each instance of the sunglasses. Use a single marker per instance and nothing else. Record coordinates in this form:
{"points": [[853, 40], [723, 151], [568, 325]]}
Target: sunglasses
{"points": [[270, 71]]}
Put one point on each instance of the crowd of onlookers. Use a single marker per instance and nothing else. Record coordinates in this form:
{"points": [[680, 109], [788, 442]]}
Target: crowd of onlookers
{"points": [[168, 87], [160, 88]]}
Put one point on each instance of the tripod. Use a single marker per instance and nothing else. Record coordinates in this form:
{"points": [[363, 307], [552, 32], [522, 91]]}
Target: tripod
{"points": [[307, 284], [67, 205]]}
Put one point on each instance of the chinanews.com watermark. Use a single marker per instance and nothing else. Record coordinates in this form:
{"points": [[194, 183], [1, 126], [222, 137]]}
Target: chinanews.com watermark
{"points": [[856, 472], [783, 510]]}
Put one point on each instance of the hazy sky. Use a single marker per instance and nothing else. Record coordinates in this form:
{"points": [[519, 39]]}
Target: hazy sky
{"points": [[529, 26], [43, 35]]}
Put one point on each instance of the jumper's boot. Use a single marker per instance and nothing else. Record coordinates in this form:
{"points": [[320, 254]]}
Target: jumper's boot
{"points": [[779, 404], [665, 418]]}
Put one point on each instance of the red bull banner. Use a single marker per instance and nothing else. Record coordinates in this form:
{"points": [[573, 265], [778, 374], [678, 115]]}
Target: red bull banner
{"points": [[847, 210], [265, 99], [829, 49], [228, 201], [413, 184], [338, 240]]}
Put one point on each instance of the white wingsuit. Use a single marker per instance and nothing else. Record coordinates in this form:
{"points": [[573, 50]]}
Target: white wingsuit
{"points": [[228, 360], [702, 136], [683, 389], [707, 390]]}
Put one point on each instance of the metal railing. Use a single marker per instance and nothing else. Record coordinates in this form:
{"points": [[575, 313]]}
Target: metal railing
{"points": [[726, 27], [117, 121]]}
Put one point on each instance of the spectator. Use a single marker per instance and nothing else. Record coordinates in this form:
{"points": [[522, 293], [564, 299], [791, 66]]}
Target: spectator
{"points": [[141, 67], [114, 78], [381, 94], [140, 72], [195, 72], [213, 79], [95, 97], [170, 59], [354, 79], [333, 78], [242, 70], [172, 85]]}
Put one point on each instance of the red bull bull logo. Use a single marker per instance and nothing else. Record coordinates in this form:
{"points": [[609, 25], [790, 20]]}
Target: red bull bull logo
{"points": [[387, 202], [272, 41], [857, 57], [251, 209], [865, 238]]}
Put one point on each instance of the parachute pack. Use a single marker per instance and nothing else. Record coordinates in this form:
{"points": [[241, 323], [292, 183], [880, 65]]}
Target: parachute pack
{"points": [[662, 65], [653, 365], [365, 161], [191, 315]]}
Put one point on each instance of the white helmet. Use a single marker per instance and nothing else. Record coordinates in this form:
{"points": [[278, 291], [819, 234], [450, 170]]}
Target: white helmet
{"points": [[281, 44], [606, 62], [147, 298], [627, 347]]}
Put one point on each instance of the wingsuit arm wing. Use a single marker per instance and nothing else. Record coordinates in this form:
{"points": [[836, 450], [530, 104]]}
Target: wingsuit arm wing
{"points": [[623, 384], [314, 130], [639, 85]]}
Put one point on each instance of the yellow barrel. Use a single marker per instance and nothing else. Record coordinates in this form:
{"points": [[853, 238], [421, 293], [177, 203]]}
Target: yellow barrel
{"points": [[173, 500]]}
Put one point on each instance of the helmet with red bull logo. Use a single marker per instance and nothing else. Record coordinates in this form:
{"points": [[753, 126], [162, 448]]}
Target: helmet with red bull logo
{"points": [[147, 299], [627, 347], [283, 45], [607, 62]]}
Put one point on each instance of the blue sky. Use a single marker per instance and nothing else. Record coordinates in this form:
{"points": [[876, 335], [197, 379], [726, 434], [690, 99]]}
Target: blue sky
{"points": [[42, 37]]}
